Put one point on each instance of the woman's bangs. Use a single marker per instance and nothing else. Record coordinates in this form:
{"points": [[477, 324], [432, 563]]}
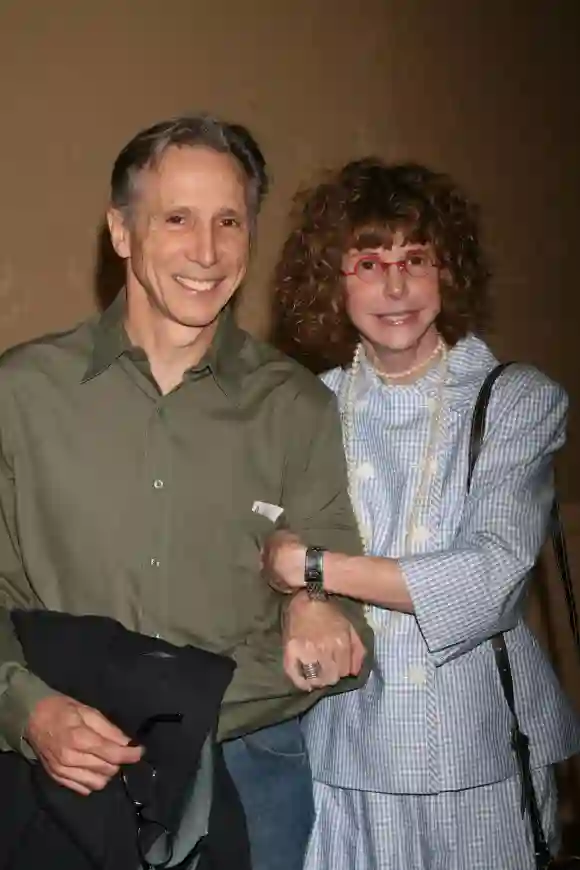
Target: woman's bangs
{"points": [[382, 235]]}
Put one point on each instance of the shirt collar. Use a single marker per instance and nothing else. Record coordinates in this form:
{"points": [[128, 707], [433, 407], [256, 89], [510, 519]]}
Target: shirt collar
{"points": [[468, 363], [110, 340], [224, 358]]}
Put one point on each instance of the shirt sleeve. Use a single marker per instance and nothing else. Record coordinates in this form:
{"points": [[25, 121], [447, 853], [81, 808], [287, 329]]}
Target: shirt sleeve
{"points": [[317, 508], [466, 594], [20, 690], [316, 501], [315, 497], [263, 694]]}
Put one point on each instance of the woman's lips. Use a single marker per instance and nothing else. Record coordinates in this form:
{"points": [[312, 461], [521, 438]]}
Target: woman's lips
{"points": [[397, 319]]}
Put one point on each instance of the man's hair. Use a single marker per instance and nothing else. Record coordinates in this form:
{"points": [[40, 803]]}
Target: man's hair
{"points": [[147, 148], [364, 205]]}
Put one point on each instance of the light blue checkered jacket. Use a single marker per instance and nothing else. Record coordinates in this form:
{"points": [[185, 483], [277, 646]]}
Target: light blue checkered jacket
{"points": [[432, 716]]}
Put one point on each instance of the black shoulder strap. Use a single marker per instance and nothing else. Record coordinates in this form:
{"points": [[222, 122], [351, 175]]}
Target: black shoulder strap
{"points": [[561, 553], [479, 415], [520, 741]]}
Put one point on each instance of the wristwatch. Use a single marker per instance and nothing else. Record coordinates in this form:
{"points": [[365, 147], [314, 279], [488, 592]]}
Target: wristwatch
{"points": [[314, 574]]}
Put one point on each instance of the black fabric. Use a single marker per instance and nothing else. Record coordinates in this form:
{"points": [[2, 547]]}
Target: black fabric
{"points": [[128, 677], [520, 741]]}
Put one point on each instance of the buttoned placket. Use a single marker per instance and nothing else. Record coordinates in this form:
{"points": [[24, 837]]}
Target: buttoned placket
{"points": [[157, 473], [155, 488]]}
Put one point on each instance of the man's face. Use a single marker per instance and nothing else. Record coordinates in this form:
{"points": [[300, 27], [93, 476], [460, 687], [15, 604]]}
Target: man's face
{"points": [[186, 235]]}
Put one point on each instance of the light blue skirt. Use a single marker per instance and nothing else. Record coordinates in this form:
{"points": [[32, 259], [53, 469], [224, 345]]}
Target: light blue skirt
{"points": [[474, 829]]}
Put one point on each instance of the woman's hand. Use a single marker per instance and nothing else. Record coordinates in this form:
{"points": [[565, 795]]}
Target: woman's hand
{"points": [[283, 556]]}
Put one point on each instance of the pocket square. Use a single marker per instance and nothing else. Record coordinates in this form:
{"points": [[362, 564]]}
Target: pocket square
{"points": [[272, 512]]}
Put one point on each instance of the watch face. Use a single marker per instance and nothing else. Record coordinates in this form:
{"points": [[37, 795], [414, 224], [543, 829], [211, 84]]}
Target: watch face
{"points": [[313, 575]]}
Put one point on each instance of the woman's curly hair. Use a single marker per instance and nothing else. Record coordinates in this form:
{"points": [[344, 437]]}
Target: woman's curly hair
{"points": [[363, 206]]}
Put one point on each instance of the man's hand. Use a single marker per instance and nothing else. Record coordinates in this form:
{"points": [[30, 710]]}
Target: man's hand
{"points": [[317, 631], [77, 746], [283, 556]]}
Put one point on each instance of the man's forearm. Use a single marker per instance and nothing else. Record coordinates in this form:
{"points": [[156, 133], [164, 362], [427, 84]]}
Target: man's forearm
{"points": [[262, 694], [20, 692]]}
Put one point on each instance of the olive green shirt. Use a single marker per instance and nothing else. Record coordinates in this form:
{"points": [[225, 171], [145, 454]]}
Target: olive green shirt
{"points": [[120, 501]]}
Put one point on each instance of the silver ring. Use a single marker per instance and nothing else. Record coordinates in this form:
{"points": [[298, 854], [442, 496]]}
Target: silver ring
{"points": [[310, 670]]}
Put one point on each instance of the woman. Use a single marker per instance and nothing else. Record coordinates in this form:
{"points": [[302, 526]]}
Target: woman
{"points": [[383, 277]]}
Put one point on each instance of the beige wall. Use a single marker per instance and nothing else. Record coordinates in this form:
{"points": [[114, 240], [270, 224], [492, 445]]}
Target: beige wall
{"points": [[487, 89], [484, 88]]}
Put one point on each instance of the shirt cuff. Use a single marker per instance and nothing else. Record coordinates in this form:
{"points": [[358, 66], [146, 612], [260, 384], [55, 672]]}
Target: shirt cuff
{"points": [[22, 693]]}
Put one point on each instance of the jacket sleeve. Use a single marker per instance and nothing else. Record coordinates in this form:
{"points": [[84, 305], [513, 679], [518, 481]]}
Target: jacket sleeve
{"points": [[20, 690], [464, 595]]}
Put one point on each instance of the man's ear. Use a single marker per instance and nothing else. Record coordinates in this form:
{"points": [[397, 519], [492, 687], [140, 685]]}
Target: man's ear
{"points": [[119, 230]]}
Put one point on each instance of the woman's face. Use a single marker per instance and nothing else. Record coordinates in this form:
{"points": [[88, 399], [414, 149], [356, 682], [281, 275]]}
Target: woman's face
{"points": [[393, 307]]}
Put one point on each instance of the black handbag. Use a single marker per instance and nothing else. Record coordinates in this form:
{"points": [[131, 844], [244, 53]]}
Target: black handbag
{"points": [[520, 741]]}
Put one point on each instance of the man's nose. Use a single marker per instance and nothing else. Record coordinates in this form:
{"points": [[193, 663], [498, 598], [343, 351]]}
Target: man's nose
{"points": [[202, 246]]}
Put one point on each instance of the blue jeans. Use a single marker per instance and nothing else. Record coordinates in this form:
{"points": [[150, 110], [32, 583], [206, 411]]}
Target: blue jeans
{"points": [[271, 771]]}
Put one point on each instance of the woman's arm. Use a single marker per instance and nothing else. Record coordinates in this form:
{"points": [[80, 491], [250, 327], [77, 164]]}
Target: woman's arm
{"points": [[467, 593], [364, 578], [475, 589]]}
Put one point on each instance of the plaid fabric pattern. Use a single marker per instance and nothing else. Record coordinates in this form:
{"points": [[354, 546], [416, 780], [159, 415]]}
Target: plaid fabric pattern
{"points": [[432, 717], [475, 829]]}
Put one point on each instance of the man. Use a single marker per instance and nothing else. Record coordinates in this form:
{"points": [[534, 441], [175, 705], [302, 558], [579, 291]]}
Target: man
{"points": [[146, 457]]}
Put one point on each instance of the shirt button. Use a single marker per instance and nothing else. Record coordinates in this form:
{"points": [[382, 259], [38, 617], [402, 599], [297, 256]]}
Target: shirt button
{"points": [[158, 484], [365, 471], [417, 675], [366, 533], [420, 534], [155, 563]]}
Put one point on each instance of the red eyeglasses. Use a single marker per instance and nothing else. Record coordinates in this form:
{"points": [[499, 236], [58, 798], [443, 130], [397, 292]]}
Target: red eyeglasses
{"points": [[372, 270]]}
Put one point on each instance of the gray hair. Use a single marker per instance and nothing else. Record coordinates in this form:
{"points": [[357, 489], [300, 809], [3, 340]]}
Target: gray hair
{"points": [[147, 147]]}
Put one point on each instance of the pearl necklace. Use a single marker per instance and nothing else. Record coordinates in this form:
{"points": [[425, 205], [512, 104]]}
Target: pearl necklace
{"points": [[428, 465], [399, 376]]}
